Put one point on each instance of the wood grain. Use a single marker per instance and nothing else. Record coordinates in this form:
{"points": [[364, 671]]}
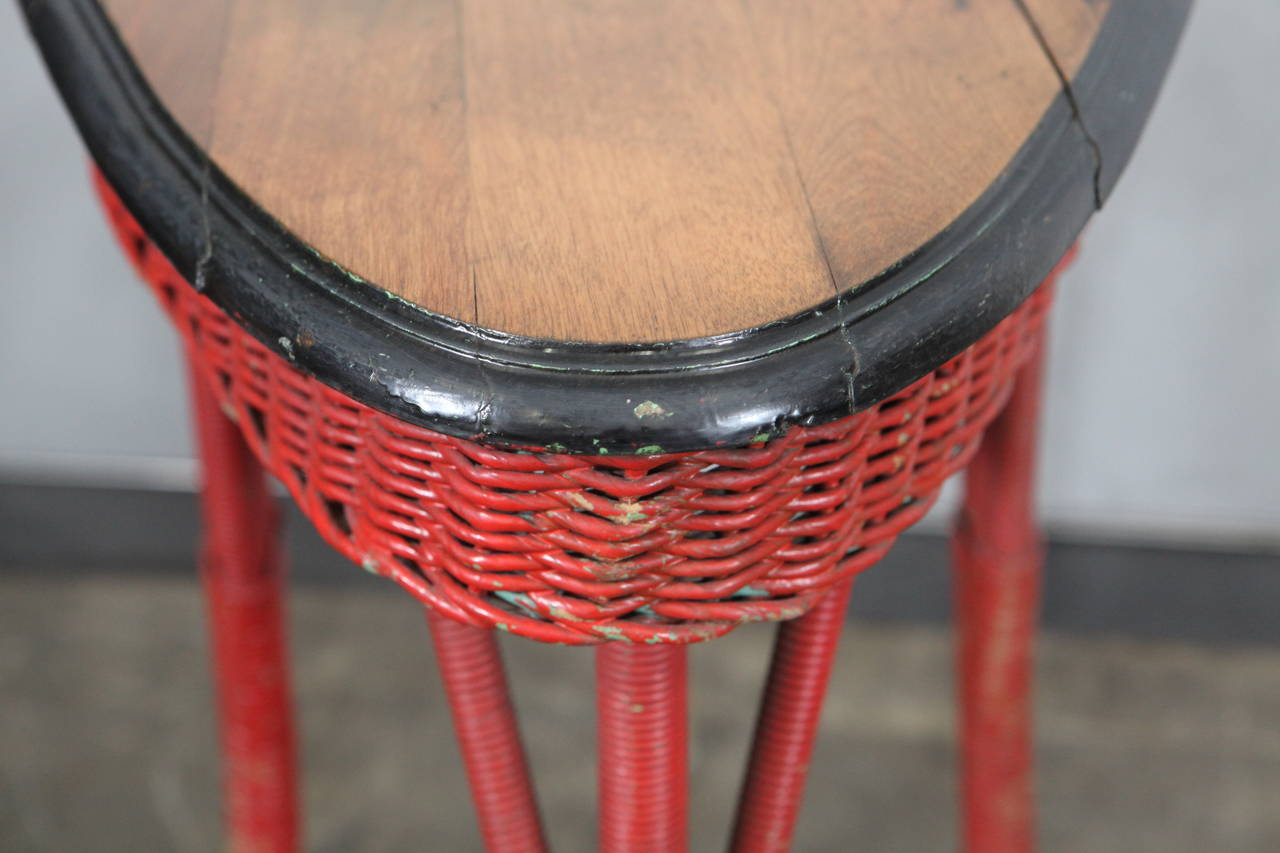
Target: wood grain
{"points": [[902, 112], [346, 121], [180, 54], [628, 164], [609, 170]]}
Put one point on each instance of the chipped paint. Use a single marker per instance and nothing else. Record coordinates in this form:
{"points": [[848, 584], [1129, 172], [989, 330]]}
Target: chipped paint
{"points": [[559, 611], [631, 512], [606, 570], [518, 599], [650, 409]]}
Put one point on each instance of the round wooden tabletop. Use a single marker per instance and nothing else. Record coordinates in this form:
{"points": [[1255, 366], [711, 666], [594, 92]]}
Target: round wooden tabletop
{"points": [[547, 200], [610, 170]]}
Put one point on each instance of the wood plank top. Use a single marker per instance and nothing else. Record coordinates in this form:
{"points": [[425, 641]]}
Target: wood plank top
{"points": [[610, 170]]}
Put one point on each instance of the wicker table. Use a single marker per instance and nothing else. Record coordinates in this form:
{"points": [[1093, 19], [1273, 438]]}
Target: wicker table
{"points": [[620, 324]]}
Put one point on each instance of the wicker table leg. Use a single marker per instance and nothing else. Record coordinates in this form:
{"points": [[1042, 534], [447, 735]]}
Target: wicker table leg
{"points": [[474, 679], [643, 722], [787, 725], [242, 577], [998, 558]]}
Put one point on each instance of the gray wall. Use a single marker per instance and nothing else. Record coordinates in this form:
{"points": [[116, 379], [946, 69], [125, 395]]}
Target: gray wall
{"points": [[1162, 416]]}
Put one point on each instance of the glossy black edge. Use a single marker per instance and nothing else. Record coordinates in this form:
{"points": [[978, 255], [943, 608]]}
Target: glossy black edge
{"points": [[723, 391]]}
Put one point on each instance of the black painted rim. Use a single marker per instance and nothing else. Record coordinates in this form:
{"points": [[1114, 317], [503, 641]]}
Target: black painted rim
{"points": [[727, 390]]}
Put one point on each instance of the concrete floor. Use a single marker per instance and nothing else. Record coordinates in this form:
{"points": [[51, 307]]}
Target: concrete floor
{"points": [[106, 734]]}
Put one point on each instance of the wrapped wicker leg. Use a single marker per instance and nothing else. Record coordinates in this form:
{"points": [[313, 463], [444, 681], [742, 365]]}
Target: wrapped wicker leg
{"points": [[998, 557], [474, 680], [803, 655], [242, 577], [643, 777]]}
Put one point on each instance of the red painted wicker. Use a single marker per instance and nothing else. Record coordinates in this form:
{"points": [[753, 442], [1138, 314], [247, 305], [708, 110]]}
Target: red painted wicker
{"points": [[671, 548]]}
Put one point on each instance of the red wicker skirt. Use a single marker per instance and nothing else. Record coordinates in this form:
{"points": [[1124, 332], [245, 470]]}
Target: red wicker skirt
{"points": [[578, 549]]}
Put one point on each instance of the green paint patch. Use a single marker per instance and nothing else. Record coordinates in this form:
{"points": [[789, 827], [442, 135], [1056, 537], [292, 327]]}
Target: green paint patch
{"points": [[518, 599], [649, 450], [629, 517]]}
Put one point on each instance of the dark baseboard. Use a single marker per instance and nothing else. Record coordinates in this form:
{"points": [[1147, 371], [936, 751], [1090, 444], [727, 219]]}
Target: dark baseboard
{"points": [[1203, 596]]}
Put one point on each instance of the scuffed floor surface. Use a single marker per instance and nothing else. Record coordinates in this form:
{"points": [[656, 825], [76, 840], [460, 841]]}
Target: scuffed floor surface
{"points": [[106, 734]]}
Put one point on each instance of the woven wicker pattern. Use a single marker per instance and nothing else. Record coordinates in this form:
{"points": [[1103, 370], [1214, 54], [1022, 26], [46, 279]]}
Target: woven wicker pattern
{"points": [[672, 548]]}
